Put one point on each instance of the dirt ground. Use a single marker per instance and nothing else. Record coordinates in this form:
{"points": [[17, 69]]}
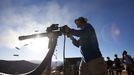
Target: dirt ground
{"points": [[123, 73]]}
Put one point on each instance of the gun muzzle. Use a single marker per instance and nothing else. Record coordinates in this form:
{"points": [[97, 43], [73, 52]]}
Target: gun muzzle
{"points": [[32, 36]]}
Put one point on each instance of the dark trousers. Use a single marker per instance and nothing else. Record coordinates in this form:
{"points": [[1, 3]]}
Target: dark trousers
{"points": [[130, 70]]}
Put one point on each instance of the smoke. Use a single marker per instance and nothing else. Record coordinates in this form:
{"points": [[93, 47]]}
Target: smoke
{"points": [[21, 20], [17, 18]]}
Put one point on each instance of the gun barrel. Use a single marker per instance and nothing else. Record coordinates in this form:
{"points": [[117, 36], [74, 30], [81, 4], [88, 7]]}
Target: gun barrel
{"points": [[32, 36]]}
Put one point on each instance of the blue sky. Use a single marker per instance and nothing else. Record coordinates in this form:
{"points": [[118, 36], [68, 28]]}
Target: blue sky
{"points": [[112, 20]]}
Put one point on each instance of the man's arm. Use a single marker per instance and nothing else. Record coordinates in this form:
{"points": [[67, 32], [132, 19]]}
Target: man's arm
{"points": [[73, 31], [74, 41], [76, 32]]}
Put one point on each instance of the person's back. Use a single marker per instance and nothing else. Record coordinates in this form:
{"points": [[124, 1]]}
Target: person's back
{"points": [[117, 66], [110, 66], [117, 62], [89, 43], [109, 63]]}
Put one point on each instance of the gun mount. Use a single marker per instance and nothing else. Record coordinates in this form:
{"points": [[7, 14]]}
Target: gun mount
{"points": [[52, 33]]}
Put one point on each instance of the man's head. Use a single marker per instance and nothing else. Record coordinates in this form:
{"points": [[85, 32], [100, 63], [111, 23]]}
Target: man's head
{"points": [[124, 52], [108, 58], [80, 22], [116, 55]]}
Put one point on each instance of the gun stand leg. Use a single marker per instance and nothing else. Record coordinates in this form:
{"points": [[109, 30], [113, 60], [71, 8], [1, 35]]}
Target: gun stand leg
{"points": [[46, 63]]}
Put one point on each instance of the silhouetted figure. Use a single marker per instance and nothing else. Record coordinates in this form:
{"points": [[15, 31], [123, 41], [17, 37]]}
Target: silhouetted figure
{"points": [[127, 59], [117, 65], [92, 61], [110, 66]]}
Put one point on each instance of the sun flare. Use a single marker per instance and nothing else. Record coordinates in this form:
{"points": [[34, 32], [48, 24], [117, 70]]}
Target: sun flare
{"points": [[38, 44], [35, 45]]}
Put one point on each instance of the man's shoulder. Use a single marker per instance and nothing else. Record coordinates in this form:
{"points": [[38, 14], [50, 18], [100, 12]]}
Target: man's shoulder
{"points": [[88, 26]]}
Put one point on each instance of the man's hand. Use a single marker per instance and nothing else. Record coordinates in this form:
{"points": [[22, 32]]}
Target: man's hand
{"points": [[74, 41], [67, 30]]}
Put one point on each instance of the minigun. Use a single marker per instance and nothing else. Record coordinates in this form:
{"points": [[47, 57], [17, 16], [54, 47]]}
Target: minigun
{"points": [[53, 29], [51, 32]]}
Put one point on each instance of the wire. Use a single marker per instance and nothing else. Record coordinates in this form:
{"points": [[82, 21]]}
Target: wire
{"points": [[64, 46]]}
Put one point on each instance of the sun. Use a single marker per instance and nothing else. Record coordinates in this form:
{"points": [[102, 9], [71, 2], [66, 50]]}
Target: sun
{"points": [[33, 49], [38, 44]]}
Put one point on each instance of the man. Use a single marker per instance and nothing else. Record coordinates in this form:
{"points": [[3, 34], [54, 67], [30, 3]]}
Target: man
{"points": [[127, 59], [92, 61], [110, 66], [117, 65]]}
